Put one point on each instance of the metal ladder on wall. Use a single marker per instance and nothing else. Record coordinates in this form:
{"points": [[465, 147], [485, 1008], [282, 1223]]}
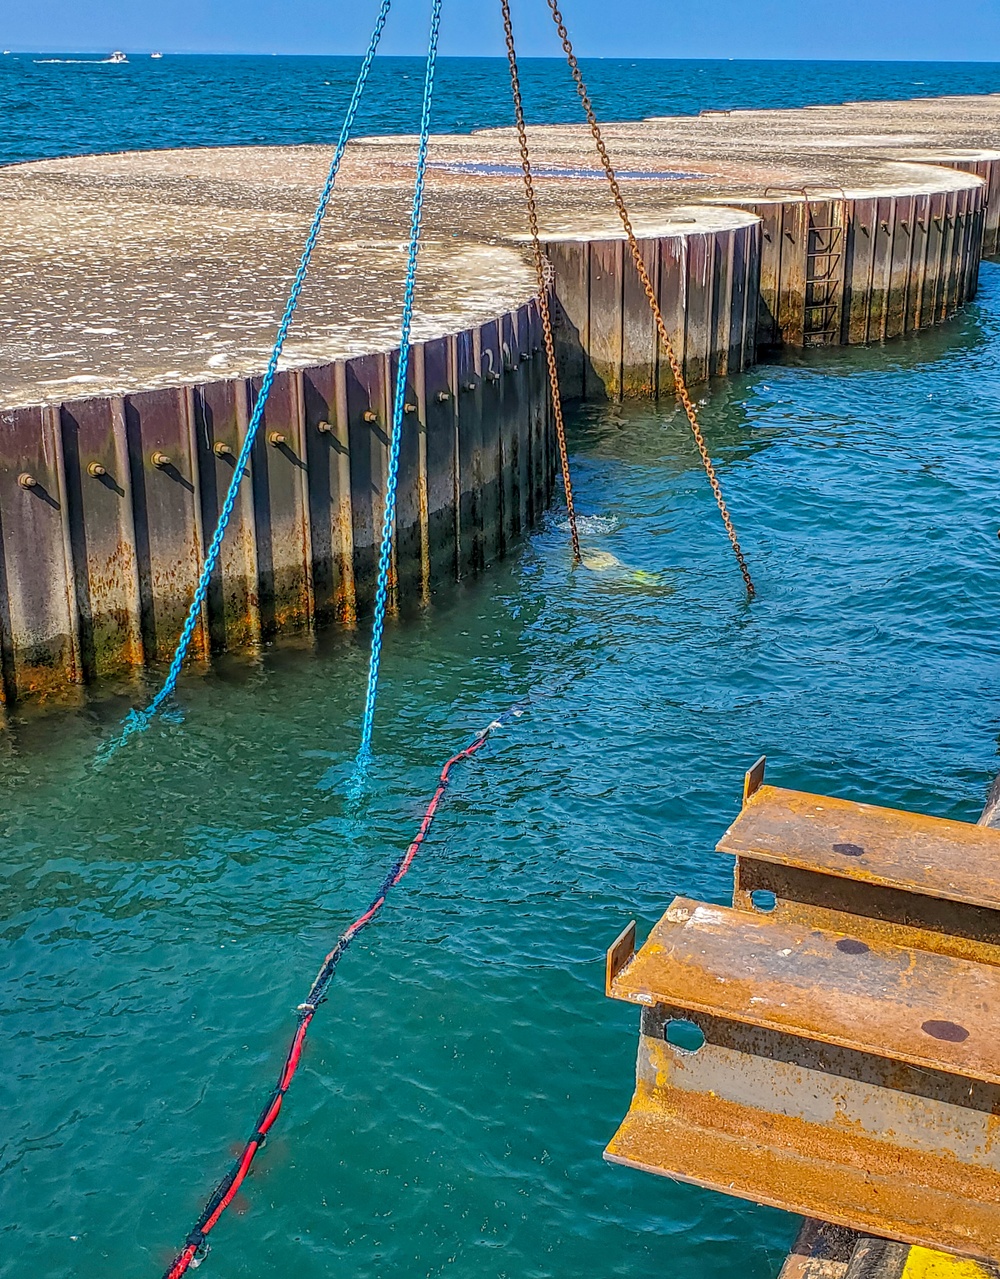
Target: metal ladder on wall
{"points": [[824, 283], [846, 1014]]}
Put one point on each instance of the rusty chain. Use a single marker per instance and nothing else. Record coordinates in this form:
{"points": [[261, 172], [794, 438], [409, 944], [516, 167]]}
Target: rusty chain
{"points": [[543, 281], [680, 385]]}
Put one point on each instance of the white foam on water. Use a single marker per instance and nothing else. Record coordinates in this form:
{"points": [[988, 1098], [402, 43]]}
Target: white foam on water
{"points": [[592, 525]]}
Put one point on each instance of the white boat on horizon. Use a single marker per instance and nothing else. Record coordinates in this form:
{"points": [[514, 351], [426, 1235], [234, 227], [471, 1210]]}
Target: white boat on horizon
{"points": [[156, 55], [118, 56]]}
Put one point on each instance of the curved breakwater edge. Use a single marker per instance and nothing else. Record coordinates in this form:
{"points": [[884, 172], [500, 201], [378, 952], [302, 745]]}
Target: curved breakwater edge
{"points": [[107, 502]]}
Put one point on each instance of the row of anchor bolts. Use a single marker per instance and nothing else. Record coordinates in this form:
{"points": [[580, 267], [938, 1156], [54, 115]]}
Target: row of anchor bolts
{"points": [[275, 438]]}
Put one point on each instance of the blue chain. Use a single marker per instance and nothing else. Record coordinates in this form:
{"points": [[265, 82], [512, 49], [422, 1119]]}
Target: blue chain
{"points": [[392, 472], [139, 720]]}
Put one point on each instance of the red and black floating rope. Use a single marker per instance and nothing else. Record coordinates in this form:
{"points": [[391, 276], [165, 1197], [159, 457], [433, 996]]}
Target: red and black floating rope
{"points": [[196, 1245]]}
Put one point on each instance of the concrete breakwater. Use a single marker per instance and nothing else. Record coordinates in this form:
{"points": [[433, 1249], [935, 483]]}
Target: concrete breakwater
{"points": [[149, 285]]}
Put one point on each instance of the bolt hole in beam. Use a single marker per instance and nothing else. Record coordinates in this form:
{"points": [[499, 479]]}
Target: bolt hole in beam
{"points": [[763, 900], [683, 1034]]}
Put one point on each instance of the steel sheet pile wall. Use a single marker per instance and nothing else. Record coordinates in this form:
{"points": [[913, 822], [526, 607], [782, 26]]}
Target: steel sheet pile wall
{"points": [[829, 271], [106, 505], [989, 171], [706, 284], [838, 271]]}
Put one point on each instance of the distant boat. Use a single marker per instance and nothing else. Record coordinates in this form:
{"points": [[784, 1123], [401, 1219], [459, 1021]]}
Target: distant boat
{"points": [[156, 55], [118, 56]]}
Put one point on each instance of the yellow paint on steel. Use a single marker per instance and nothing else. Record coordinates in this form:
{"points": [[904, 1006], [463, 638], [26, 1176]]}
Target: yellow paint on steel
{"points": [[925, 1263]]}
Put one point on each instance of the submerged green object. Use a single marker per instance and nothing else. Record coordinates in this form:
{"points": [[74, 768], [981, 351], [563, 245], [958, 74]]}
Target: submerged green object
{"points": [[618, 573]]}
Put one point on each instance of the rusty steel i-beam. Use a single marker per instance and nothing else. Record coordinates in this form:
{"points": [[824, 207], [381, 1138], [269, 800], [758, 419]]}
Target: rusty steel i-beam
{"points": [[848, 1011]]}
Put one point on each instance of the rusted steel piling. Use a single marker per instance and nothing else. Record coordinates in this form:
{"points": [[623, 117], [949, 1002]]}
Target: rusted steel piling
{"points": [[838, 271], [107, 504], [826, 226], [707, 281]]}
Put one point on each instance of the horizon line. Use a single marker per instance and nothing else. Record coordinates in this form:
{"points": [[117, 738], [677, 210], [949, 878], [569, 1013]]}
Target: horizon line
{"points": [[499, 57]]}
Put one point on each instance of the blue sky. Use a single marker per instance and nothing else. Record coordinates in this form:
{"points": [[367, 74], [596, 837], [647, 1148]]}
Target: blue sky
{"points": [[917, 29]]}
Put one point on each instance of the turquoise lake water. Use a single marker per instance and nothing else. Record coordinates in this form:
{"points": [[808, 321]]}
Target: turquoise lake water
{"points": [[163, 917], [72, 104]]}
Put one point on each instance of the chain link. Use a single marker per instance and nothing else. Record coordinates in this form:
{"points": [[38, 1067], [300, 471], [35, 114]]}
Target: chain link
{"points": [[543, 277], [385, 582], [138, 720], [680, 385]]}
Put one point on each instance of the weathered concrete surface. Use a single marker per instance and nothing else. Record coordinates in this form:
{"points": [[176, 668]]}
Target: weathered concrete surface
{"points": [[122, 273], [139, 296], [134, 271], [131, 272]]}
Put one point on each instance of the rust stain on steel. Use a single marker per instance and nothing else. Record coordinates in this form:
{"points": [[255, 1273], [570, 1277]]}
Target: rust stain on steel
{"points": [[929, 1010], [123, 550], [42, 677], [780, 1127], [841, 1075], [39, 619], [930, 855], [423, 511], [347, 611], [343, 514], [870, 911], [116, 638]]}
